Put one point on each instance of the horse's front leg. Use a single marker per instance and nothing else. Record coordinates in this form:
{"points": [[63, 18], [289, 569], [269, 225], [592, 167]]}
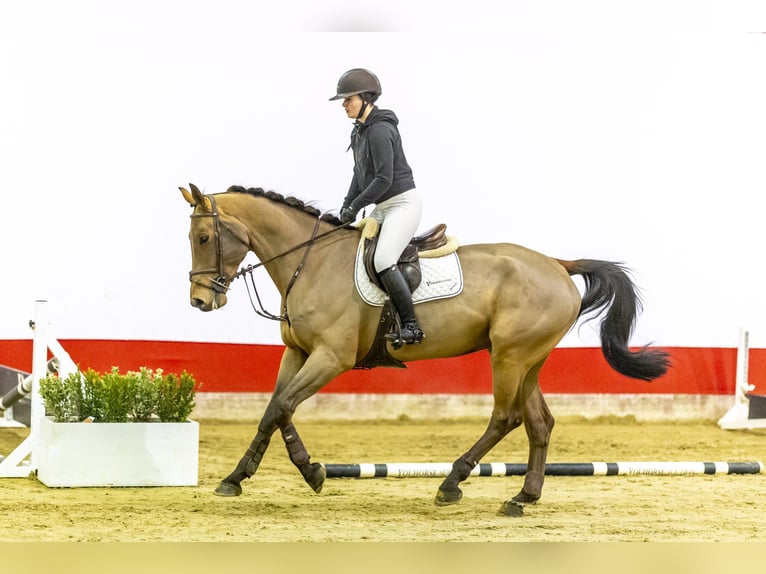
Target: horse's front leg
{"points": [[313, 472], [248, 464], [319, 369], [292, 361]]}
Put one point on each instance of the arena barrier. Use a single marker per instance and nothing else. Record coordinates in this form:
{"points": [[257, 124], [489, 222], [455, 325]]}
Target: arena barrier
{"points": [[749, 409], [23, 460], [439, 469]]}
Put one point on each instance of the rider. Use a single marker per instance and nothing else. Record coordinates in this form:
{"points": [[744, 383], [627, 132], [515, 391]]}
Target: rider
{"points": [[381, 176]]}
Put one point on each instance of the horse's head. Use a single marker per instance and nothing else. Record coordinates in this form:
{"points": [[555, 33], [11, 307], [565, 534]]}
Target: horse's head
{"points": [[219, 243]]}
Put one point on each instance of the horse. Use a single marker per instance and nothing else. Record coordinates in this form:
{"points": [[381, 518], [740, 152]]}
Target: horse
{"points": [[516, 303]]}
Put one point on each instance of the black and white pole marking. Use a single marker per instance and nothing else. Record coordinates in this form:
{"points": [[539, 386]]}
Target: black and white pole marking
{"points": [[437, 469]]}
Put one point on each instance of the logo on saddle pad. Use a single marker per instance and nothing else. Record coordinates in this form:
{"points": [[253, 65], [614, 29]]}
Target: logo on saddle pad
{"points": [[441, 274]]}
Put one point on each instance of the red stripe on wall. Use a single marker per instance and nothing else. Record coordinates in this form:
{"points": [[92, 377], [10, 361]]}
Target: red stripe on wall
{"points": [[227, 367]]}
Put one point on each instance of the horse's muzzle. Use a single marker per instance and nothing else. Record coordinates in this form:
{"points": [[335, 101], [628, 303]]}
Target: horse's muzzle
{"points": [[216, 301], [213, 287]]}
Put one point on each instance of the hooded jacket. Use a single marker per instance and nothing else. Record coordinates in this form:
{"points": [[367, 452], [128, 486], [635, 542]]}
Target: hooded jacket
{"points": [[381, 170]]}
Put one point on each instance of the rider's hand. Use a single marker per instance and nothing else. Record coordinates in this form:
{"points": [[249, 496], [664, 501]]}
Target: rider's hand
{"points": [[347, 215]]}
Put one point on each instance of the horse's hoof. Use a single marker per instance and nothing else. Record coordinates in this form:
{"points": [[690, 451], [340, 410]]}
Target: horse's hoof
{"points": [[228, 489], [445, 498], [316, 476], [512, 508]]}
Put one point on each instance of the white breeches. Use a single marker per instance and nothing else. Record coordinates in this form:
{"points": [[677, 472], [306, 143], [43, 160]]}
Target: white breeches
{"points": [[399, 218]]}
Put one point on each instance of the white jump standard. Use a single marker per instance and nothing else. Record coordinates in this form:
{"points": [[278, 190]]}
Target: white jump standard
{"points": [[24, 459], [749, 410]]}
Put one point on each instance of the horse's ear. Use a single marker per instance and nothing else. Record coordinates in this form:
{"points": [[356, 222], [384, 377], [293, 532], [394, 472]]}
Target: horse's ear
{"points": [[188, 196], [198, 198]]}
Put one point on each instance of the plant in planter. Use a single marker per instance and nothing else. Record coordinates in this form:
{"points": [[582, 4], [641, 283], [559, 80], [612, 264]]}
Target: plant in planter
{"points": [[141, 436], [175, 397], [114, 397]]}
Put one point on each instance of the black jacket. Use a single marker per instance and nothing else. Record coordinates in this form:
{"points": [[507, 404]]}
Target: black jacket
{"points": [[381, 170]]}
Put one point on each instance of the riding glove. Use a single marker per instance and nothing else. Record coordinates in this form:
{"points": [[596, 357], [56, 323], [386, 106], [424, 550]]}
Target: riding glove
{"points": [[346, 215]]}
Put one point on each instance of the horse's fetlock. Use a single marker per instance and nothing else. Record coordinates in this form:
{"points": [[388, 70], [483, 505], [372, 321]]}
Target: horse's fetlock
{"points": [[298, 454], [463, 466], [247, 467], [533, 484]]}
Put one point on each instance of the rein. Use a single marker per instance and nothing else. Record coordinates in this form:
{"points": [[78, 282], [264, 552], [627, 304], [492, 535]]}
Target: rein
{"points": [[262, 312], [221, 283]]}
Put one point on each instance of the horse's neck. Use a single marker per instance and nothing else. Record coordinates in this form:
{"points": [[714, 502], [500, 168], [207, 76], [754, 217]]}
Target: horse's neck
{"points": [[275, 229]]}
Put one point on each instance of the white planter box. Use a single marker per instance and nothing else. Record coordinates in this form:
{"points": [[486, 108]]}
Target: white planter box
{"points": [[117, 454]]}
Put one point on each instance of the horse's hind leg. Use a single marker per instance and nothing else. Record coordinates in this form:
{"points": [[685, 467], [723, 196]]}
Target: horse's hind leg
{"points": [[538, 423], [499, 426], [506, 416]]}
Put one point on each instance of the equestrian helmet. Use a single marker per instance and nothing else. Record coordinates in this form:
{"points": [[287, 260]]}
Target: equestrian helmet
{"points": [[358, 81]]}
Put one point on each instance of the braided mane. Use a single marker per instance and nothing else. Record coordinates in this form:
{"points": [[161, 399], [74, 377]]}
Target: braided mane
{"points": [[293, 202]]}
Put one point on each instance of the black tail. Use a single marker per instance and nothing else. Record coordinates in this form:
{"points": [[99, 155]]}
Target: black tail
{"points": [[608, 286]]}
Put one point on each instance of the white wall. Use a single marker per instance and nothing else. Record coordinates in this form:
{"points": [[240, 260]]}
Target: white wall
{"points": [[630, 131]]}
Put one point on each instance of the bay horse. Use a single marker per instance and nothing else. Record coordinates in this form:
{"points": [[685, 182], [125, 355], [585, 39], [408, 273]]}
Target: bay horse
{"points": [[516, 303]]}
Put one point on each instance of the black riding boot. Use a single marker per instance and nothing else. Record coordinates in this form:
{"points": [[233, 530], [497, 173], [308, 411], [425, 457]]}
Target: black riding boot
{"points": [[397, 288]]}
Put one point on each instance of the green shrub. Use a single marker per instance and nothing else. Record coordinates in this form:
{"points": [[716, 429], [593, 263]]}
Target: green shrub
{"points": [[176, 397], [92, 404], [145, 394], [63, 397], [117, 392], [115, 397]]}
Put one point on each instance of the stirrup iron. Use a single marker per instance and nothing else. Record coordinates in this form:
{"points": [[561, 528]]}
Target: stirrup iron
{"points": [[409, 334]]}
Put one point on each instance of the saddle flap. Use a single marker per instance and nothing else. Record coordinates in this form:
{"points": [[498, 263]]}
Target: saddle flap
{"points": [[441, 277], [408, 264]]}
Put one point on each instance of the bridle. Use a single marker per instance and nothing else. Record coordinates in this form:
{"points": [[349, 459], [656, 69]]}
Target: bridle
{"points": [[221, 282]]}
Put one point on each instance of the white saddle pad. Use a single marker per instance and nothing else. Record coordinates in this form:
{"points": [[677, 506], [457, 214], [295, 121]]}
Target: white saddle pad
{"points": [[442, 278]]}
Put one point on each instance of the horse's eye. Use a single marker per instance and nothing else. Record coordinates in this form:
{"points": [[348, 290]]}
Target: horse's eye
{"points": [[204, 239]]}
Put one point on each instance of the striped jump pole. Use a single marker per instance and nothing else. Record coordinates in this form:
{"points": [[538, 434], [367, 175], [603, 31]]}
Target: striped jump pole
{"points": [[16, 393], [24, 388], [438, 469]]}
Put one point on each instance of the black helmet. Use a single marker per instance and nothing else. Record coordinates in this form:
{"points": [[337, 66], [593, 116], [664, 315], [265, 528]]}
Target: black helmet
{"points": [[357, 81]]}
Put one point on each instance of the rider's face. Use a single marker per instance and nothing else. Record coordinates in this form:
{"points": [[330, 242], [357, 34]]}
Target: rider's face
{"points": [[352, 105]]}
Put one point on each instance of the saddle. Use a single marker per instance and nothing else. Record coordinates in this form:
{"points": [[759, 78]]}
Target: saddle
{"points": [[409, 262], [431, 243]]}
